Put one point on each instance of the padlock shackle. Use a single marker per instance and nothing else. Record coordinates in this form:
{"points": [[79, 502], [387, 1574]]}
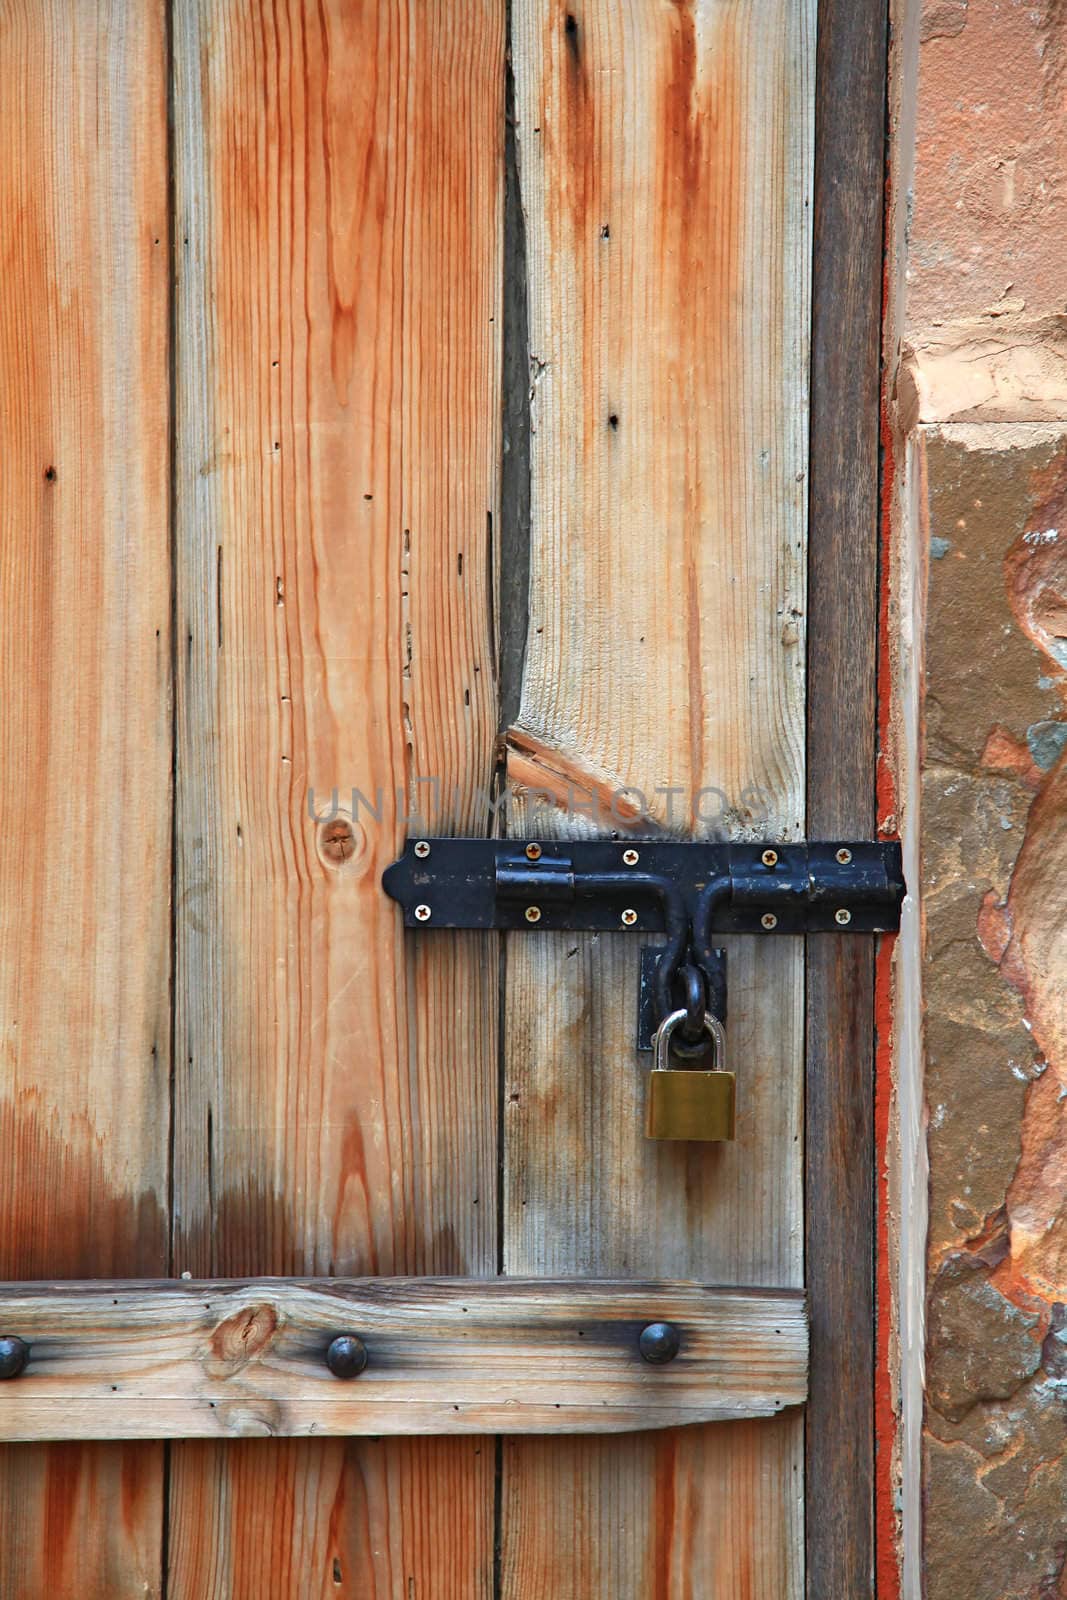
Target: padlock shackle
{"points": [[662, 1041]]}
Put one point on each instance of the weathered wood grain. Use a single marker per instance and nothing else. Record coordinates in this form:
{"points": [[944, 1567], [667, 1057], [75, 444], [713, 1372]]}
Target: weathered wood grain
{"points": [[338, 192], [85, 735], [190, 1360], [696, 1539], [843, 602], [292, 1516], [665, 160]]}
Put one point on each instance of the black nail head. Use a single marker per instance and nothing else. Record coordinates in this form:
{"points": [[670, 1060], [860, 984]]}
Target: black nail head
{"points": [[14, 1354], [659, 1343], [346, 1356]]}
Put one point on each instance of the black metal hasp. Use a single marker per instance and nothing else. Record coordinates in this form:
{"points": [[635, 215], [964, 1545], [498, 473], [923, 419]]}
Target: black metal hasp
{"points": [[593, 885], [688, 890]]}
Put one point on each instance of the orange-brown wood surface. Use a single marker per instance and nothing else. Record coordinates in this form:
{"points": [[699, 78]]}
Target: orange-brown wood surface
{"points": [[85, 732], [249, 605], [339, 173]]}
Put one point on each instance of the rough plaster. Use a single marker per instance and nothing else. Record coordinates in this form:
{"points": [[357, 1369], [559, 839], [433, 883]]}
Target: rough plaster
{"points": [[976, 350], [990, 206], [1003, 365]]}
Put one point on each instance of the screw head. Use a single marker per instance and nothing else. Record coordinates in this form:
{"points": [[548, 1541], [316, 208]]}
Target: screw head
{"points": [[346, 1355], [843, 917], [659, 1343], [533, 852], [14, 1354], [769, 920], [844, 856], [629, 917], [533, 913], [769, 858], [630, 858], [422, 913], [422, 849]]}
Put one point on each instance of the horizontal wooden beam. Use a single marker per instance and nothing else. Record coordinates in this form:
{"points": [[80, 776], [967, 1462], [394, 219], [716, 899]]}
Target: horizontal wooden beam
{"points": [[166, 1359]]}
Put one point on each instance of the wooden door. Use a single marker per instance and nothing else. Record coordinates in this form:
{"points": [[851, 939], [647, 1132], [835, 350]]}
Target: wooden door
{"points": [[408, 430]]}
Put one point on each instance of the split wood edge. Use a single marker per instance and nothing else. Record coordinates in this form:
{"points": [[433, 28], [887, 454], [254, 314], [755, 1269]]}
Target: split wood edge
{"points": [[209, 1359]]}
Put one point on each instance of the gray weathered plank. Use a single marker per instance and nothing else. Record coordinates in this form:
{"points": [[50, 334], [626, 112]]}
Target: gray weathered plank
{"points": [[665, 161], [843, 586], [217, 1359]]}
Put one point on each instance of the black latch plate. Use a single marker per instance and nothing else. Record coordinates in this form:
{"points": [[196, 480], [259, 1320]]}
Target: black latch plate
{"points": [[455, 883]]}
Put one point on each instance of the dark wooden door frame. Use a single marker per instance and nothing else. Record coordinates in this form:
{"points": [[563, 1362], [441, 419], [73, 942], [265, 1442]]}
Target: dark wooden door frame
{"points": [[843, 573]]}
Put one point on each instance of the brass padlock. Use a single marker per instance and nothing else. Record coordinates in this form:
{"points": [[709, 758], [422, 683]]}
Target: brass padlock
{"points": [[684, 1102]]}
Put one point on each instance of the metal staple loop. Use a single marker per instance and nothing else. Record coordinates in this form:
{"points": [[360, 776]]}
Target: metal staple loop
{"points": [[695, 1002]]}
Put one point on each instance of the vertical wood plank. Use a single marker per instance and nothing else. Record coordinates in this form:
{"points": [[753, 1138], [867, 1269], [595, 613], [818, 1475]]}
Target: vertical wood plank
{"points": [[676, 1513], [339, 188], [665, 162], [843, 579], [85, 734], [316, 1519]]}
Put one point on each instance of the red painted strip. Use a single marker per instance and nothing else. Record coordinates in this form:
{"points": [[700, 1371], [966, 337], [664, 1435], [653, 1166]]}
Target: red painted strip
{"points": [[886, 1545], [887, 1565]]}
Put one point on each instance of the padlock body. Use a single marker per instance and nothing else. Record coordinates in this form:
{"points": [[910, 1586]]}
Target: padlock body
{"points": [[686, 1104]]}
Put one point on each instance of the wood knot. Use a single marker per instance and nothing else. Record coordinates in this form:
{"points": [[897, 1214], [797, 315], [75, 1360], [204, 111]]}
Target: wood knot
{"points": [[339, 841], [241, 1338]]}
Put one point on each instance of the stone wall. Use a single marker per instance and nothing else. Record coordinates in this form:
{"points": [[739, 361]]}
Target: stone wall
{"points": [[977, 400]]}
